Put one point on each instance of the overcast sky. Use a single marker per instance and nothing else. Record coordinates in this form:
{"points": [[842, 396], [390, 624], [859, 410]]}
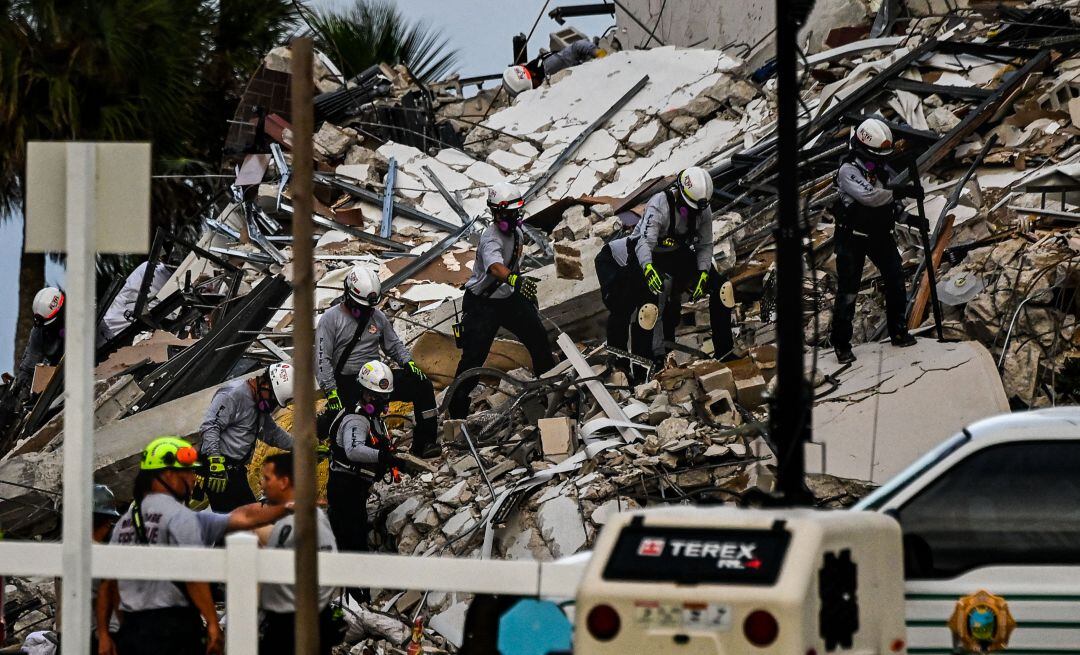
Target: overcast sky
{"points": [[481, 30]]}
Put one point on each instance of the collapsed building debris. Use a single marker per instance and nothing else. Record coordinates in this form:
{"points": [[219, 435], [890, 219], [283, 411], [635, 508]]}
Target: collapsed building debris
{"points": [[540, 465]]}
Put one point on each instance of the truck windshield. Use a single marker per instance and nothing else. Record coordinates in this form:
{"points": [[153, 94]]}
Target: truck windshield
{"points": [[894, 486]]}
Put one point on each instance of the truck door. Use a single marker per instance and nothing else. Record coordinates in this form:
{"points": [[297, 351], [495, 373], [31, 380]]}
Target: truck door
{"points": [[1005, 519]]}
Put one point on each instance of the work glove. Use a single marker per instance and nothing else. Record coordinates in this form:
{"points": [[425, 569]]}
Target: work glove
{"points": [[322, 451], [216, 479], [526, 286], [700, 290], [415, 370], [652, 278], [917, 222], [332, 400]]}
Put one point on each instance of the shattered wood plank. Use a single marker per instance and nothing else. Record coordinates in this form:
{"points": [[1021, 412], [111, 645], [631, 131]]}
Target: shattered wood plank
{"points": [[596, 388], [918, 309]]}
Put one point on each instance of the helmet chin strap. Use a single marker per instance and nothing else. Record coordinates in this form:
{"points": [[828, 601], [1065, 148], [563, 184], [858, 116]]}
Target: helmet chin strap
{"points": [[180, 497]]}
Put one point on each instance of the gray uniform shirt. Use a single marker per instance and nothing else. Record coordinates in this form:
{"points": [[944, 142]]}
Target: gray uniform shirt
{"points": [[335, 331], [352, 435], [655, 225], [167, 523], [856, 188], [576, 53], [495, 248], [232, 423], [279, 597]]}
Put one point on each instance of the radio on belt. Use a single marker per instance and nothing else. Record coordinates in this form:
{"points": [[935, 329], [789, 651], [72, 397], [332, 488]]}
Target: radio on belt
{"points": [[726, 581]]}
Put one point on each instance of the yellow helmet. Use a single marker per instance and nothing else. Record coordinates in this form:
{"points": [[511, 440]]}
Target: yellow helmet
{"points": [[169, 453]]}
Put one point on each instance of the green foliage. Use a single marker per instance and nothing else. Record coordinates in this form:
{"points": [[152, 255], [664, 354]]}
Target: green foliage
{"points": [[373, 32]]}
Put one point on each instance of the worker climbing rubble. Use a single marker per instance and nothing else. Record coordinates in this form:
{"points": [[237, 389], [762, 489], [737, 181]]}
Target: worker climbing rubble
{"points": [[532, 74], [673, 239], [161, 617], [237, 418], [355, 332], [866, 212], [497, 296], [46, 342], [361, 453]]}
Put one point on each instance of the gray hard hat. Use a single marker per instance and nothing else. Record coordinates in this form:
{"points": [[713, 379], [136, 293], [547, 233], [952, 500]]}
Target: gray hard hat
{"points": [[104, 501]]}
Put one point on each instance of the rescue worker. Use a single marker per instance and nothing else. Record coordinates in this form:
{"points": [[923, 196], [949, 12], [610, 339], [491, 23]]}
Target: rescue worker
{"points": [[866, 213], [497, 296], [118, 317], [533, 73], [161, 617], [674, 238], [278, 602], [360, 454], [46, 342], [356, 332], [238, 417]]}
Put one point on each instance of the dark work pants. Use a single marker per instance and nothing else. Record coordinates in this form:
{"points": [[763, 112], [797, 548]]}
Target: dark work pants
{"points": [[622, 295], [407, 388], [481, 322], [851, 253], [347, 497], [237, 490], [681, 266], [170, 631], [279, 633]]}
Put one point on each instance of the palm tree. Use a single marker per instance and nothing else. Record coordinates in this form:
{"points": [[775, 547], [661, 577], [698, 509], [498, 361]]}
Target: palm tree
{"points": [[373, 32], [167, 71]]}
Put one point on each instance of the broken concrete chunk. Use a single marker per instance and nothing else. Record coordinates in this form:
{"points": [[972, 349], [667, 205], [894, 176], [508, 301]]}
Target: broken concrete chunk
{"points": [[454, 495], [942, 120], [606, 227], [331, 141], [575, 225], [557, 437], [684, 125], [673, 429], [508, 161], [525, 149], [722, 379], [567, 261], [750, 391], [560, 524], [395, 521], [459, 523], [721, 408]]}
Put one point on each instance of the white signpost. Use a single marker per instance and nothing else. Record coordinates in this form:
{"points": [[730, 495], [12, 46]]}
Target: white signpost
{"points": [[83, 198]]}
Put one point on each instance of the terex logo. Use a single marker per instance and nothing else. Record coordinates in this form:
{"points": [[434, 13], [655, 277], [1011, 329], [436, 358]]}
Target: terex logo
{"points": [[650, 547], [728, 555]]}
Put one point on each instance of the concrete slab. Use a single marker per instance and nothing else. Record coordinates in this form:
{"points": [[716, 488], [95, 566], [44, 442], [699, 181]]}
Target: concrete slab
{"points": [[894, 404]]}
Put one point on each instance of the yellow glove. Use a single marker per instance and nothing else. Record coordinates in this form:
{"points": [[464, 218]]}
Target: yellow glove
{"points": [[217, 479], [332, 400]]}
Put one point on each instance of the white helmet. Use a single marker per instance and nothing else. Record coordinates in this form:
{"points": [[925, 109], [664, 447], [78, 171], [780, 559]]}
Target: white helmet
{"points": [[872, 138], [696, 187], [377, 377], [362, 286], [281, 381], [505, 203], [517, 79], [47, 305]]}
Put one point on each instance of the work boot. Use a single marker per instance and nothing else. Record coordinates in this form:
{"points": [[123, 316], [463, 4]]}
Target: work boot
{"points": [[426, 451], [903, 339], [844, 355]]}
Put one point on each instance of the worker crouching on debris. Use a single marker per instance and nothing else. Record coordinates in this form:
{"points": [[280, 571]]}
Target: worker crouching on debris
{"points": [[356, 332], [865, 214], [533, 73], [162, 617], [360, 453], [46, 342], [278, 602], [674, 239], [497, 296], [238, 417]]}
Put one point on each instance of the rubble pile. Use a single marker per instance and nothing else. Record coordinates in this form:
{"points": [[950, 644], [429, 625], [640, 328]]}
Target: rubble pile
{"points": [[540, 465]]}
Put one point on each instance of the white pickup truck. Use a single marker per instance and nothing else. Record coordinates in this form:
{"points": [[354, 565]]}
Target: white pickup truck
{"points": [[996, 507]]}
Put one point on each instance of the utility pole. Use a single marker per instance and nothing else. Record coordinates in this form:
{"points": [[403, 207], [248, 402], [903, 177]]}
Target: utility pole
{"points": [[307, 546], [790, 412]]}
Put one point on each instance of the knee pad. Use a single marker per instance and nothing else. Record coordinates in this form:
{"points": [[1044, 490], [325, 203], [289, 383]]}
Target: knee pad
{"points": [[647, 315], [727, 294]]}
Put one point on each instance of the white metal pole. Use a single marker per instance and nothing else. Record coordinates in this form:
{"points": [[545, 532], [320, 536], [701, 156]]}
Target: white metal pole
{"points": [[78, 404]]}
